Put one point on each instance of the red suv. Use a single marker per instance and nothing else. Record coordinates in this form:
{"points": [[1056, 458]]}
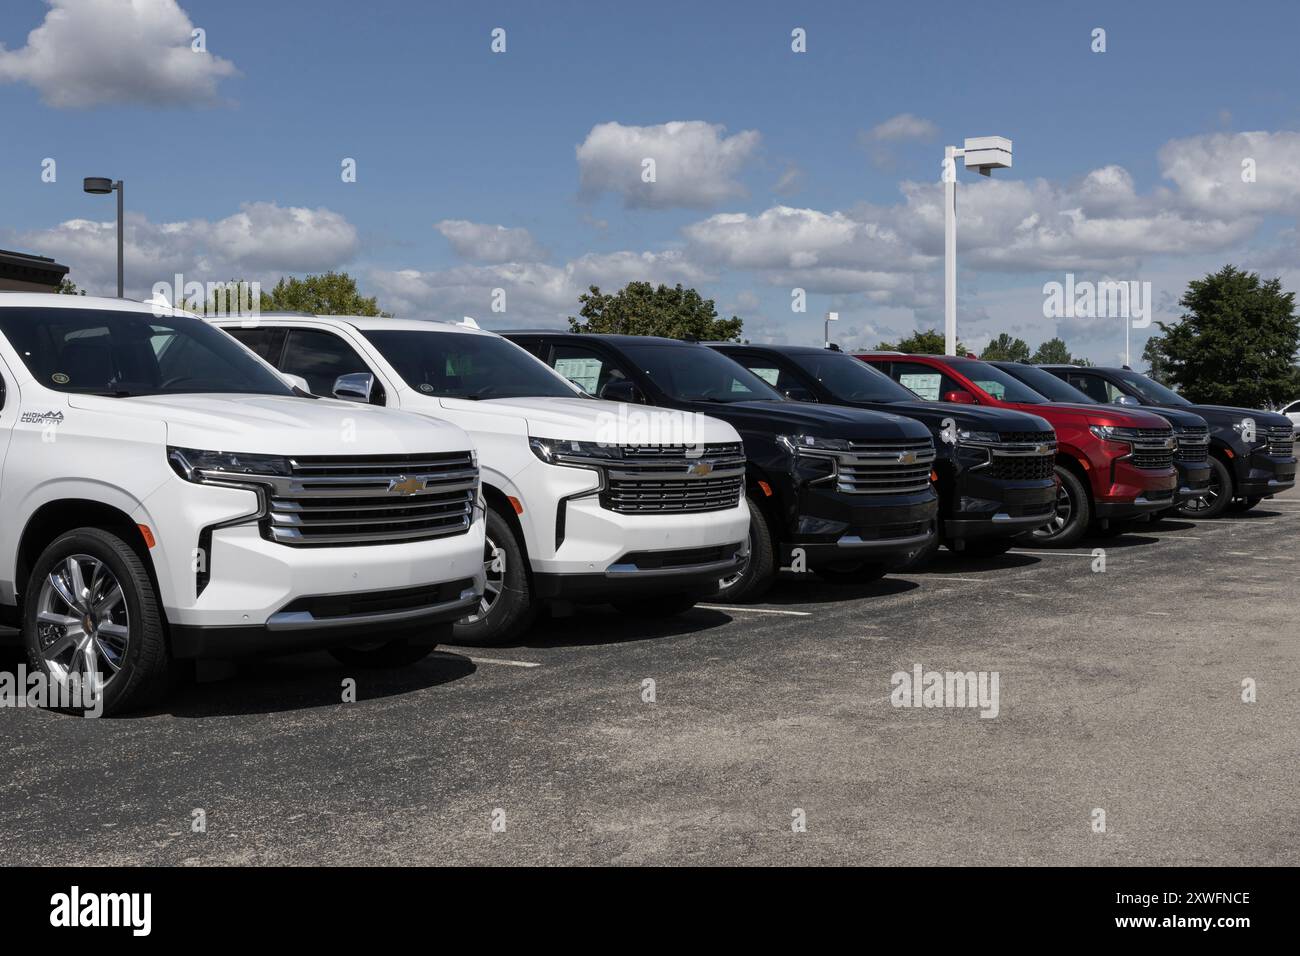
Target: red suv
{"points": [[1111, 463]]}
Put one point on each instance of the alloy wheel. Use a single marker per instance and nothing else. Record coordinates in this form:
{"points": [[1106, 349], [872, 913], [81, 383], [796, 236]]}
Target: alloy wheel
{"points": [[1061, 518], [82, 623], [494, 568], [1204, 503]]}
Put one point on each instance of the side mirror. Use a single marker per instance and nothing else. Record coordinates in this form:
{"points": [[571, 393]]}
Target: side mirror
{"points": [[1125, 400], [354, 387], [298, 382], [798, 393], [959, 396], [622, 391]]}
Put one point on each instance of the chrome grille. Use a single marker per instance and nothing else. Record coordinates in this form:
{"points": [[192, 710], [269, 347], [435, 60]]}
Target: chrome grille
{"points": [[1193, 443], [1023, 456], [381, 499], [884, 467], [1152, 447], [1281, 441], [680, 479]]}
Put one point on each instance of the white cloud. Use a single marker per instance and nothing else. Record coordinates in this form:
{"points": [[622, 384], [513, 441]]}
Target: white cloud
{"points": [[95, 52], [261, 242], [1208, 172], [481, 242], [695, 163], [535, 293], [901, 128]]}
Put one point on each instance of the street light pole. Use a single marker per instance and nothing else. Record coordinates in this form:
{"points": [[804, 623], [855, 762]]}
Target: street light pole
{"points": [[982, 154], [950, 154], [102, 186]]}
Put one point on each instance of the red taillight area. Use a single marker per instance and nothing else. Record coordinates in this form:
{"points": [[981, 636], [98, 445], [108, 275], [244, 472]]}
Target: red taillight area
{"points": [[145, 533]]}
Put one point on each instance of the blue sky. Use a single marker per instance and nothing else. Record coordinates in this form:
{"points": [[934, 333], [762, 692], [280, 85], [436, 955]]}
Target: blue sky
{"points": [[1126, 162]]}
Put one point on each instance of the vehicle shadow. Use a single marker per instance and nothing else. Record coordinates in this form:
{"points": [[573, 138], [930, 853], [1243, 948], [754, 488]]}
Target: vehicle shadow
{"points": [[590, 625], [301, 682], [959, 562], [794, 588]]}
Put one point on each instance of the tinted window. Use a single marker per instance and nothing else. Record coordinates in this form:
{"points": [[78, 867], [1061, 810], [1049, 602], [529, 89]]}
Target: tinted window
{"points": [[774, 373], [465, 365], [265, 341], [851, 380], [132, 353], [1091, 385], [696, 373], [321, 357], [1150, 389], [1045, 383], [999, 384]]}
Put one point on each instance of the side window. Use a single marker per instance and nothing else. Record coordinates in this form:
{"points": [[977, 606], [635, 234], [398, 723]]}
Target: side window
{"points": [[929, 383], [320, 358], [1292, 409], [1091, 385], [265, 341], [775, 374], [586, 366]]}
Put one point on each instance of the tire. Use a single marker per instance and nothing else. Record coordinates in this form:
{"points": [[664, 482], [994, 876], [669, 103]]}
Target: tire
{"points": [[1073, 514], [756, 576], [126, 639], [507, 609], [1219, 499], [848, 573], [657, 607], [399, 652], [1242, 505]]}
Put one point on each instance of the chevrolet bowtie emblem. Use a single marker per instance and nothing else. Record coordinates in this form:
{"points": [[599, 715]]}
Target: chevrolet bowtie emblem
{"points": [[405, 486], [700, 469], [907, 458]]}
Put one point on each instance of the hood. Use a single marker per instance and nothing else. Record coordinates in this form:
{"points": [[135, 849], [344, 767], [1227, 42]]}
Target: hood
{"points": [[823, 421], [1178, 417], [991, 419], [1228, 415], [610, 423], [273, 424], [1121, 416]]}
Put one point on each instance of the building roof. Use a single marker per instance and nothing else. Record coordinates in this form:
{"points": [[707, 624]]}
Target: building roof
{"points": [[22, 267]]}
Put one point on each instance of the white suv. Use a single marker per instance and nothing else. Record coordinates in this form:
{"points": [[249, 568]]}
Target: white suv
{"points": [[167, 495], [587, 500], [1292, 412]]}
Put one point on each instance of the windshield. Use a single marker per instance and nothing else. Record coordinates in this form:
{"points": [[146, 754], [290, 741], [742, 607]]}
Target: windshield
{"points": [[851, 380], [465, 365], [1047, 384], [999, 384], [1151, 390], [696, 373], [106, 352]]}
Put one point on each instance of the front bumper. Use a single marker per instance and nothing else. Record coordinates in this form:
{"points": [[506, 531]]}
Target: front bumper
{"points": [[987, 508], [1136, 491], [1193, 480], [697, 571], [1266, 475], [836, 526]]}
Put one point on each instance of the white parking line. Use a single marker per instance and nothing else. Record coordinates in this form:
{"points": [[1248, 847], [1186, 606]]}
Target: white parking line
{"points": [[1055, 554], [493, 660], [754, 610]]}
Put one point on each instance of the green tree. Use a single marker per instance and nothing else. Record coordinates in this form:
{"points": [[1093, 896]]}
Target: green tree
{"points": [[1236, 341], [1157, 364], [640, 309], [929, 342], [1052, 352], [334, 293], [68, 287], [1006, 349]]}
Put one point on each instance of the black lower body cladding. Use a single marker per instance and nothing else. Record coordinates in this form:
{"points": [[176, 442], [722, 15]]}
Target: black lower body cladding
{"points": [[983, 507], [1263, 475], [1193, 479], [833, 526]]}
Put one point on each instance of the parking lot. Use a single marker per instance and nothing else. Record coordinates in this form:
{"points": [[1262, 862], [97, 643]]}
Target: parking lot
{"points": [[1119, 690]]}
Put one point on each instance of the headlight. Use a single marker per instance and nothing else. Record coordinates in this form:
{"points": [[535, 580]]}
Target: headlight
{"points": [[971, 437], [1113, 433], [194, 464], [813, 443], [565, 452]]}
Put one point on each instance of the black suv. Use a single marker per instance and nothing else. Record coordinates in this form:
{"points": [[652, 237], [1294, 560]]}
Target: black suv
{"points": [[1191, 457], [841, 491], [1252, 453], [995, 466]]}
